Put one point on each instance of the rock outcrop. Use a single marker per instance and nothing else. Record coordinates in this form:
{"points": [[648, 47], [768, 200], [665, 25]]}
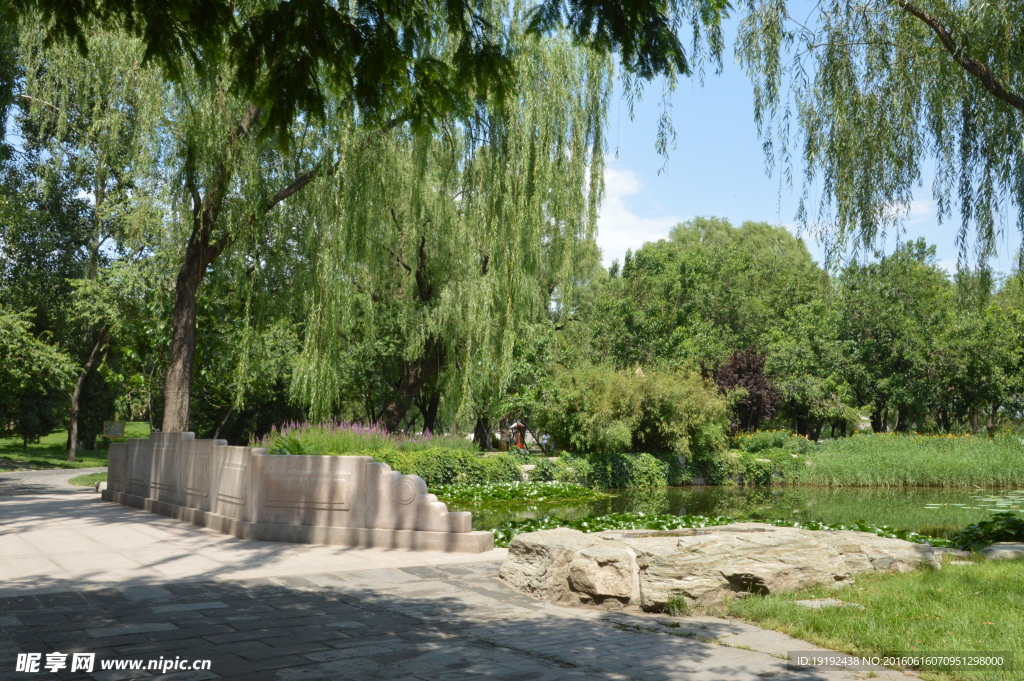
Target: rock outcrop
{"points": [[703, 566]]}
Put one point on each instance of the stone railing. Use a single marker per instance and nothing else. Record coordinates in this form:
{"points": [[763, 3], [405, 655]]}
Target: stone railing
{"points": [[243, 491]]}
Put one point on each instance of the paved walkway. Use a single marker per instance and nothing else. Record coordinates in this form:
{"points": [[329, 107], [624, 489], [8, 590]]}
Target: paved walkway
{"points": [[56, 537], [266, 611]]}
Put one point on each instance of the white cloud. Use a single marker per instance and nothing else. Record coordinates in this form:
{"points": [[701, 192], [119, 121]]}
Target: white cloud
{"points": [[618, 227], [921, 210]]}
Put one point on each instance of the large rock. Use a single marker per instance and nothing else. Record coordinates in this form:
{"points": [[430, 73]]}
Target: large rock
{"points": [[1004, 550], [703, 566]]}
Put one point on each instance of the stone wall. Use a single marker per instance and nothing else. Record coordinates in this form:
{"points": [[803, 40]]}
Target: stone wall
{"points": [[344, 500]]}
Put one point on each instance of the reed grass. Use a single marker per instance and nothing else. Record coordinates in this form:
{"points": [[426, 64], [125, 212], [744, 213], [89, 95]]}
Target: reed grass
{"points": [[895, 460]]}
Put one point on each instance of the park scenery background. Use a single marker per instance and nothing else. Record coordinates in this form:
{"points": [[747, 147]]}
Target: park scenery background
{"points": [[327, 235]]}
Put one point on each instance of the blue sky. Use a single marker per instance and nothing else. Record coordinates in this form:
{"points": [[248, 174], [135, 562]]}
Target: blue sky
{"points": [[718, 168]]}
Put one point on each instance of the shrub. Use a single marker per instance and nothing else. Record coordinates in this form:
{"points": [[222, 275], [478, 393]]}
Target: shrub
{"points": [[627, 471], [439, 466], [575, 469], [775, 439], [601, 412], [768, 466], [1005, 526]]}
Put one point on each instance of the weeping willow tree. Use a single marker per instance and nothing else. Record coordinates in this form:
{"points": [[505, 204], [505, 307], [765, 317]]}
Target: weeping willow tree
{"points": [[432, 254], [865, 93]]}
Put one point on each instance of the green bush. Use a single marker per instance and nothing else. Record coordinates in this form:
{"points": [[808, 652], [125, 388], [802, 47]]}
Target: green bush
{"points": [[628, 471], [515, 492], [568, 468], [767, 466], [601, 412], [1005, 526], [446, 467], [774, 439]]}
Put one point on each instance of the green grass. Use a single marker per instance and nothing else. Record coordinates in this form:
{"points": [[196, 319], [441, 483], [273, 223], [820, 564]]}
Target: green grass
{"points": [[88, 480], [891, 460], [50, 451], [960, 608]]}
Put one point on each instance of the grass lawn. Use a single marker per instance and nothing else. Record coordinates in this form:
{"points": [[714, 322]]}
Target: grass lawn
{"points": [[960, 608], [88, 480], [50, 451]]}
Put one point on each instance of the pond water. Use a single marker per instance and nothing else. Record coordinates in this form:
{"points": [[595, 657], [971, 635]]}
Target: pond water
{"points": [[932, 511]]}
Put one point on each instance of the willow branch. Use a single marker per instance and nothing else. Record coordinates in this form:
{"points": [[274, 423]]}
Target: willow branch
{"points": [[974, 67]]}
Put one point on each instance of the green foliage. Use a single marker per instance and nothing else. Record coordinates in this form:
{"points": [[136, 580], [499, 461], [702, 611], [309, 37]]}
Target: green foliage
{"points": [[894, 460], [773, 439], [676, 606], [34, 379], [866, 94], [1005, 526], [694, 299], [572, 469], [290, 58], [446, 467], [597, 410], [641, 521], [515, 492], [627, 471]]}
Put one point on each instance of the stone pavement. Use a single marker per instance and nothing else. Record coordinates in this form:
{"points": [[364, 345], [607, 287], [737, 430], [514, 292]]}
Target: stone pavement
{"points": [[371, 618], [55, 537]]}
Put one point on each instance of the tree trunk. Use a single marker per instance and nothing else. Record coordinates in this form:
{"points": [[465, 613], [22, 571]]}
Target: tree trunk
{"points": [[415, 375], [76, 395], [878, 419], [429, 411], [223, 421], [177, 388], [482, 434]]}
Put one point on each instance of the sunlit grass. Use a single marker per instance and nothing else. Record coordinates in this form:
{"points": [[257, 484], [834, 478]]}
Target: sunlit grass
{"points": [[960, 608], [892, 460], [88, 480], [51, 452]]}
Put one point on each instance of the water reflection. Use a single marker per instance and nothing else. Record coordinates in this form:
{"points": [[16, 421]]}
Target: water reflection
{"points": [[937, 512]]}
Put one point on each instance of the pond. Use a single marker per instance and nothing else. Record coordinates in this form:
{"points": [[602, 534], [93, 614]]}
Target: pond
{"points": [[932, 511]]}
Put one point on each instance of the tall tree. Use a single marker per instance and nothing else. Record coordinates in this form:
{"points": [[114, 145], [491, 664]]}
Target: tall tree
{"points": [[891, 311], [86, 124], [451, 246]]}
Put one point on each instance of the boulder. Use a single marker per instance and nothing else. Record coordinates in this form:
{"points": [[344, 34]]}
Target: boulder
{"points": [[704, 566], [542, 566], [1004, 550]]}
